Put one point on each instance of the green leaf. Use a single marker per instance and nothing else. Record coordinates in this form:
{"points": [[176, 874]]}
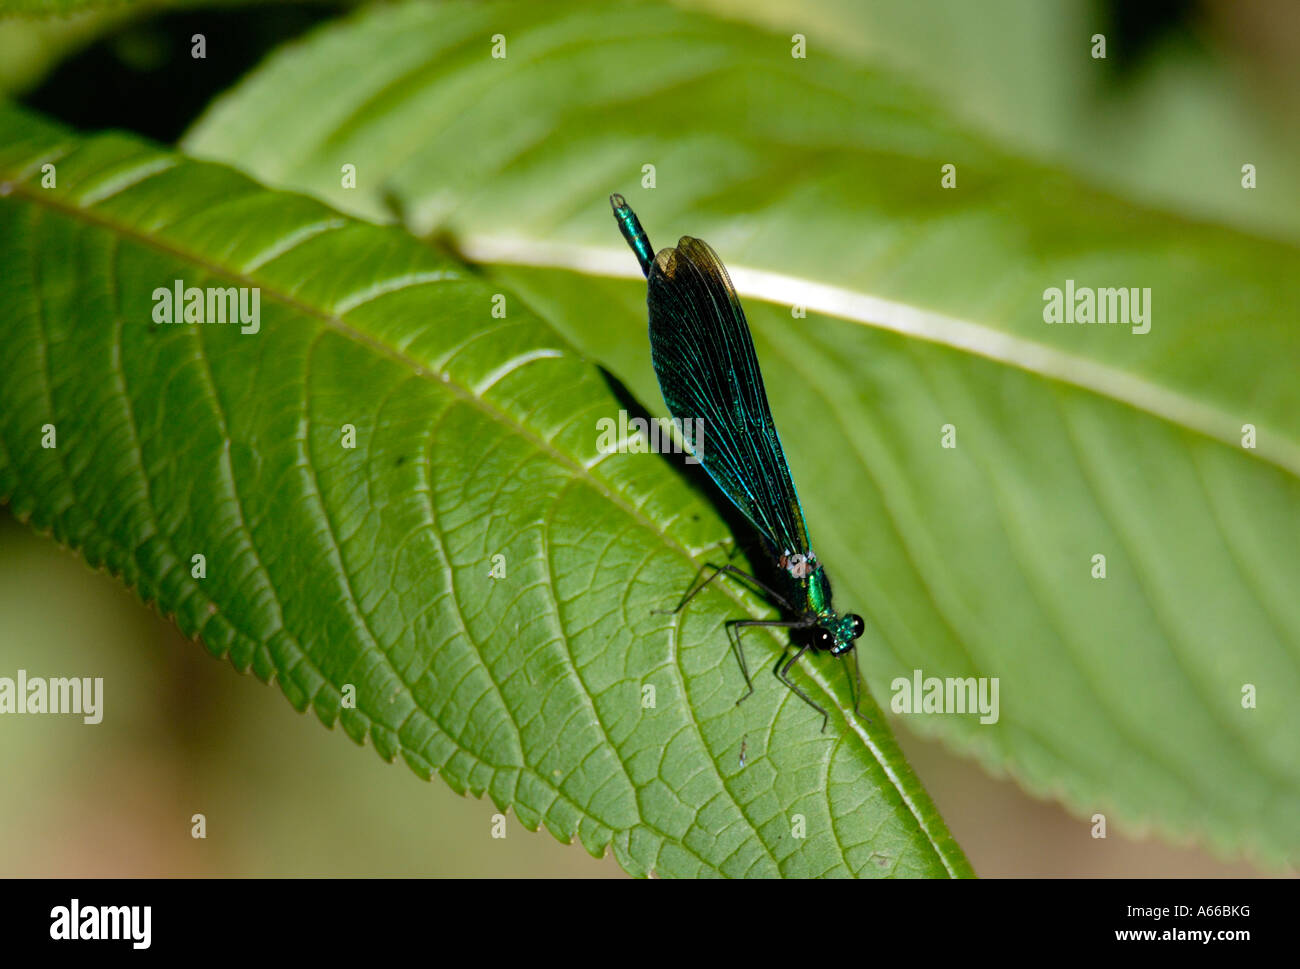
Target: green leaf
{"points": [[1166, 123], [327, 565], [52, 9], [30, 47], [818, 180]]}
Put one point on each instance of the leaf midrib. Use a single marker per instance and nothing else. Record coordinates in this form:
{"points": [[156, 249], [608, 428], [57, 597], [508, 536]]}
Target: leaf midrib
{"points": [[1041, 360]]}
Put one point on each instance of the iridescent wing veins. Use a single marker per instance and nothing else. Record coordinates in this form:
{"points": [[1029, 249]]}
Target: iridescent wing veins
{"points": [[704, 357]]}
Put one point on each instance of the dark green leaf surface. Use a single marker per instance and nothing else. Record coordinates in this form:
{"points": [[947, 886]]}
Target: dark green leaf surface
{"points": [[326, 565], [818, 182]]}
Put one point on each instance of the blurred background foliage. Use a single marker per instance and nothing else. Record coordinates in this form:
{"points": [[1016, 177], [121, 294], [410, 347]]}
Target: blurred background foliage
{"points": [[1186, 85]]}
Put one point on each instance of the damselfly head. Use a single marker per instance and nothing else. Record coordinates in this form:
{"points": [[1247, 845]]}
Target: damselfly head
{"points": [[838, 636]]}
